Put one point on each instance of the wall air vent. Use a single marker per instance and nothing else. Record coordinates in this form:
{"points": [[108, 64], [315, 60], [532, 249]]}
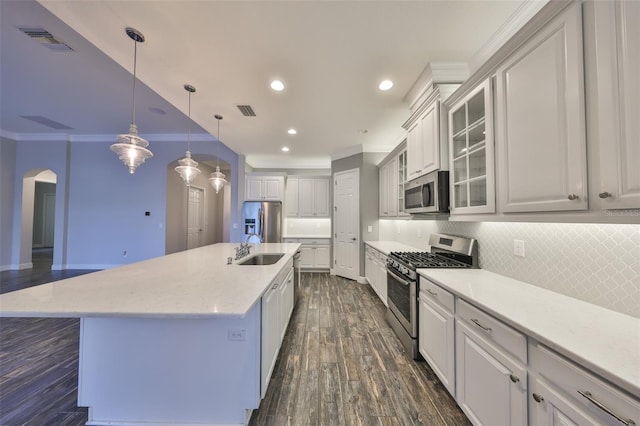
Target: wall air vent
{"points": [[46, 39], [46, 122], [246, 110]]}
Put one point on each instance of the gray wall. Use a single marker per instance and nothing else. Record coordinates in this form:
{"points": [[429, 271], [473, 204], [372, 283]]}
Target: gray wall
{"points": [[7, 175], [367, 165]]}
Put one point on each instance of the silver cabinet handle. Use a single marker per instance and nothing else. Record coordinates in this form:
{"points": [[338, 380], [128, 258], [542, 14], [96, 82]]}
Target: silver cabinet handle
{"points": [[605, 195], [573, 197], [433, 293], [513, 378], [606, 409], [537, 398], [353, 239], [476, 322]]}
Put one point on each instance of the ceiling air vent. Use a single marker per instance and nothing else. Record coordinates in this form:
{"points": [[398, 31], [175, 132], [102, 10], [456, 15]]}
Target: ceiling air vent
{"points": [[246, 110], [46, 39], [46, 122]]}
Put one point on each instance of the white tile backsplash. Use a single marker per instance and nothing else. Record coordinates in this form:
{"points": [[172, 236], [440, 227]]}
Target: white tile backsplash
{"points": [[597, 263], [302, 227]]}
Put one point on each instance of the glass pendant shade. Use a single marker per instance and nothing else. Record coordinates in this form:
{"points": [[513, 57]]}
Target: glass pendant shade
{"points": [[217, 179], [131, 149], [188, 169]]}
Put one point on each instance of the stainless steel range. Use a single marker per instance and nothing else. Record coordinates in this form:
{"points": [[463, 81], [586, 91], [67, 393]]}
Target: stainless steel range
{"points": [[402, 281]]}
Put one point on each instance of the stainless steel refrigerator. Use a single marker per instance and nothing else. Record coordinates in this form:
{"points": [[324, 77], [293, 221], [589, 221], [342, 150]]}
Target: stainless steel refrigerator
{"points": [[262, 219]]}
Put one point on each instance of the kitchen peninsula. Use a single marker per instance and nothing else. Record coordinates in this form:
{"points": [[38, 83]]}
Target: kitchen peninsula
{"points": [[171, 340]]}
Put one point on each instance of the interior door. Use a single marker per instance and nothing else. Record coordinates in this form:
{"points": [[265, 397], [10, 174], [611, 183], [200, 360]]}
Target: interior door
{"points": [[49, 219], [346, 224], [195, 218]]}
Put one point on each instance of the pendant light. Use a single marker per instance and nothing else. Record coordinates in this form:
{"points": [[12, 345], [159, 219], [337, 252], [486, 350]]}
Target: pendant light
{"points": [[131, 148], [188, 168], [217, 179]]}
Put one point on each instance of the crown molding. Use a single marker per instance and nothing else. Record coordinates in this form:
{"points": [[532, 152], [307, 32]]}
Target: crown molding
{"points": [[66, 137]]}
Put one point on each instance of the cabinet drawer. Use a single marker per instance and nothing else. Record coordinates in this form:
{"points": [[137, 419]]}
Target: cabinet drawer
{"points": [[494, 329], [581, 386], [436, 293], [314, 241], [291, 240]]}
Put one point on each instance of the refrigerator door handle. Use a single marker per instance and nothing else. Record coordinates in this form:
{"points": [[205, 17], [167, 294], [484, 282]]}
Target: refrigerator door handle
{"points": [[261, 221]]}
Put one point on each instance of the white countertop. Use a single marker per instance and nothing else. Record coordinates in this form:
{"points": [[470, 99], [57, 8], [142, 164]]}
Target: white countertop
{"points": [[195, 283], [604, 341], [387, 247]]}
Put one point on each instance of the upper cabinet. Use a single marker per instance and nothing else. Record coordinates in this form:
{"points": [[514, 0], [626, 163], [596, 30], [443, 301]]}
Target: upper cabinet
{"points": [[264, 188], [307, 196], [540, 120], [471, 146], [426, 127], [612, 39], [393, 174]]}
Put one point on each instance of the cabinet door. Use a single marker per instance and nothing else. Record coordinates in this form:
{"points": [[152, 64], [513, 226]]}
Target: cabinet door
{"points": [[254, 188], [307, 197], [430, 141], [322, 258], [273, 188], [270, 336], [322, 197], [291, 197], [381, 280], [436, 340], [550, 407], [307, 257], [370, 270], [286, 304], [383, 190], [541, 121], [617, 102], [414, 150], [491, 388], [471, 152]]}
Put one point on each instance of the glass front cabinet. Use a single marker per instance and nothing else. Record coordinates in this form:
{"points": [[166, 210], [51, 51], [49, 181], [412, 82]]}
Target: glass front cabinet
{"points": [[471, 152]]}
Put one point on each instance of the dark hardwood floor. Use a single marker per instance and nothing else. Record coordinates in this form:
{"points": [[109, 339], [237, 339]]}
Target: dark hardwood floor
{"points": [[340, 364]]}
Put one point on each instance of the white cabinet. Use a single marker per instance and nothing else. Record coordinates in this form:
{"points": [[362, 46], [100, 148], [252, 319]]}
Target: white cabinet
{"points": [[491, 383], [562, 393], [388, 189], [277, 306], [424, 148], [471, 152], [614, 40], [307, 197], [315, 254], [540, 120], [375, 271], [264, 188], [393, 174], [436, 331], [291, 197], [314, 197]]}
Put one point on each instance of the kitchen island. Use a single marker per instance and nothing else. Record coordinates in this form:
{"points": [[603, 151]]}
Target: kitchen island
{"points": [[170, 340]]}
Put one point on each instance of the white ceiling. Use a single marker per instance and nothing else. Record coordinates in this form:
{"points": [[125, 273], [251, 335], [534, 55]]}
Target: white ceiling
{"points": [[330, 54]]}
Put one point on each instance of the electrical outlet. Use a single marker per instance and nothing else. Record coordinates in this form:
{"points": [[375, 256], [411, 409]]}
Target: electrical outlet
{"points": [[237, 334], [369, 228], [518, 248]]}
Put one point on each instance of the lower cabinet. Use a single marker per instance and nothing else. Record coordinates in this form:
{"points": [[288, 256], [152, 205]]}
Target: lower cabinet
{"points": [[436, 332], [375, 271], [277, 306], [562, 393], [315, 254]]}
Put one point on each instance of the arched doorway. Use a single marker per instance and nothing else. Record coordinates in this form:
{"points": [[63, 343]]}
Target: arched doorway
{"points": [[38, 221], [190, 210]]}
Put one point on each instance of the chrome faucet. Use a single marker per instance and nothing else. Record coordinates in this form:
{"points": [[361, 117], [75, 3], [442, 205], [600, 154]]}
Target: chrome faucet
{"points": [[254, 234]]}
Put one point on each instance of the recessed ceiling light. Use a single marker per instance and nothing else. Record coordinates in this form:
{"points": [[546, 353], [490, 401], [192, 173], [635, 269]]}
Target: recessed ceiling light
{"points": [[285, 149], [277, 85], [292, 131], [385, 85]]}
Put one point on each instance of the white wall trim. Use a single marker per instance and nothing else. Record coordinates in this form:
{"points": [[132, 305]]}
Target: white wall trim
{"points": [[362, 280], [89, 266], [65, 137]]}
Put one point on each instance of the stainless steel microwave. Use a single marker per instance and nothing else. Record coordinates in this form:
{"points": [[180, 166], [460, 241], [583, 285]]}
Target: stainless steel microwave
{"points": [[428, 193]]}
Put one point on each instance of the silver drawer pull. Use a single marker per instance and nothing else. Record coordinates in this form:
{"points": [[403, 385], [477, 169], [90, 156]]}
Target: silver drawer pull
{"points": [[573, 197], [538, 398], [604, 408], [605, 195], [476, 322], [513, 378], [433, 293]]}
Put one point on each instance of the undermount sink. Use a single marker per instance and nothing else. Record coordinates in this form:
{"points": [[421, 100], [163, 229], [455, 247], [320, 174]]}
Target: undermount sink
{"points": [[261, 259]]}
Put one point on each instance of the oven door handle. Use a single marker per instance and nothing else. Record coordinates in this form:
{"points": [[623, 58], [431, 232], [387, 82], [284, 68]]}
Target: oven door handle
{"points": [[398, 277]]}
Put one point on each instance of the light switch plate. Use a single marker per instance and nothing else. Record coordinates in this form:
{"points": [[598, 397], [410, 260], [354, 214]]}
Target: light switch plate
{"points": [[518, 248]]}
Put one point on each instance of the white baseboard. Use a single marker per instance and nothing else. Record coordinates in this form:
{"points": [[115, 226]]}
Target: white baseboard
{"points": [[93, 266], [5, 268], [362, 280]]}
